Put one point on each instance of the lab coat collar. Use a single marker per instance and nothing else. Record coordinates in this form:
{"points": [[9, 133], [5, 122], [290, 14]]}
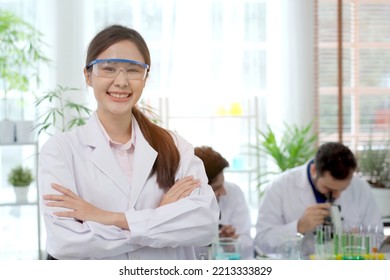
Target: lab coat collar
{"points": [[103, 158]]}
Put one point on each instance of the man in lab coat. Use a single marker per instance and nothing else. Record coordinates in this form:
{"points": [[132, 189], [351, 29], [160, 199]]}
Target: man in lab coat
{"points": [[299, 199]]}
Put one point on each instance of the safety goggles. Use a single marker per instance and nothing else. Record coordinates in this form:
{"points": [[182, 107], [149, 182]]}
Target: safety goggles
{"points": [[110, 68]]}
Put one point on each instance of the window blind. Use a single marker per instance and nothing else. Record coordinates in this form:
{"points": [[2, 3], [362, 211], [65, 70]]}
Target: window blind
{"points": [[366, 71]]}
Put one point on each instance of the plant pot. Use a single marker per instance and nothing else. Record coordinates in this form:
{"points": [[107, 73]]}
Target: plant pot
{"points": [[24, 131], [21, 194], [7, 132]]}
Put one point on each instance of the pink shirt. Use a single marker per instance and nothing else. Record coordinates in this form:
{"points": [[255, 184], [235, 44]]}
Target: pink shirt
{"points": [[124, 153]]}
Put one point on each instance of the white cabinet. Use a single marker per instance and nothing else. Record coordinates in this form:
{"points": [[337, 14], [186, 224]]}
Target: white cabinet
{"points": [[20, 226]]}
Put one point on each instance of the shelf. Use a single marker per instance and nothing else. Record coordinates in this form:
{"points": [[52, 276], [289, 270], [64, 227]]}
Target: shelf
{"points": [[18, 204], [8, 196], [20, 213], [229, 127], [16, 221], [214, 117], [247, 170], [19, 144]]}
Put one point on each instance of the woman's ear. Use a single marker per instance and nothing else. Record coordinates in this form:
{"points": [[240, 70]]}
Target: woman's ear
{"points": [[87, 76]]}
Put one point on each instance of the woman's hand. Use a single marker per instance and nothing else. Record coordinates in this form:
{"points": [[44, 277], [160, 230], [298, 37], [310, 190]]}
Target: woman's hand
{"points": [[82, 210], [228, 231], [181, 189]]}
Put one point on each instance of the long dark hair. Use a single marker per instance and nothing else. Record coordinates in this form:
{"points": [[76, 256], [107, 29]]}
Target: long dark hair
{"points": [[160, 139]]}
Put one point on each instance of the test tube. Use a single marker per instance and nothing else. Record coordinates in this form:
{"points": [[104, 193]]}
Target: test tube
{"points": [[344, 243], [336, 244], [365, 235], [375, 239], [360, 245], [328, 241], [367, 243], [351, 242], [319, 245]]}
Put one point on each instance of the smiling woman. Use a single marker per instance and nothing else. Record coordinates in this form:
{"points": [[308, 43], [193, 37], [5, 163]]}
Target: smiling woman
{"points": [[168, 27], [122, 186]]}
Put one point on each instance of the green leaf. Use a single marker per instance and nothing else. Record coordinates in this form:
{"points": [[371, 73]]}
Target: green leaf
{"points": [[58, 100], [21, 50], [296, 146]]}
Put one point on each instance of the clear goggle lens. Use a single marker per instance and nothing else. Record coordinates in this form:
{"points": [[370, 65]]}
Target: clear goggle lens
{"points": [[110, 68]]}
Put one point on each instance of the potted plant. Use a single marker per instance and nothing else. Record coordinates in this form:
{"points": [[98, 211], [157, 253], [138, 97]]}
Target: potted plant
{"points": [[20, 54], [374, 166], [21, 177], [296, 146]]}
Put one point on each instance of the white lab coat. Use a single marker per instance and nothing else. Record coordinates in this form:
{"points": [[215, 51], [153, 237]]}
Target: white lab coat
{"points": [[82, 161], [235, 212], [286, 199]]}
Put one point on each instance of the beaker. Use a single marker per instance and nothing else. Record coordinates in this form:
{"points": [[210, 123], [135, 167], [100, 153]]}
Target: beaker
{"points": [[292, 248], [226, 249]]}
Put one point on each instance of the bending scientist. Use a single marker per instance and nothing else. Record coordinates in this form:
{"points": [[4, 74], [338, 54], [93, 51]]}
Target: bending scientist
{"points": [[122, 187], [295, 202]]}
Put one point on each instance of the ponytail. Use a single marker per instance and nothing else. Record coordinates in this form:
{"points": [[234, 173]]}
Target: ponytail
{"points": [[161, 140]]}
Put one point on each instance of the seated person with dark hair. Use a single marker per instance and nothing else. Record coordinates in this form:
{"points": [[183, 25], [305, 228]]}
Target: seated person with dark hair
{"points": [[299, 199], [234, 216]]}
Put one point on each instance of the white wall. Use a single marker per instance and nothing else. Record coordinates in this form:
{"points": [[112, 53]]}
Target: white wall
{"points": [[290, 62]]}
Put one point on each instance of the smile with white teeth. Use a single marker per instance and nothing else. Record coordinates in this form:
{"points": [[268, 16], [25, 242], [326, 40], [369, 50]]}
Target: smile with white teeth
{"points": [[119, 95]]}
